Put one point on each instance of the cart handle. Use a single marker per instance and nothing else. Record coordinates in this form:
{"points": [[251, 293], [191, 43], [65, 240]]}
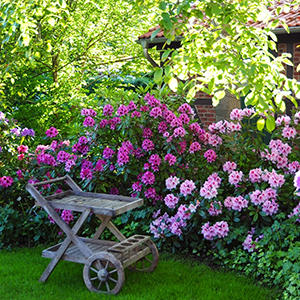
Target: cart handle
{"points": [[66, 178]]}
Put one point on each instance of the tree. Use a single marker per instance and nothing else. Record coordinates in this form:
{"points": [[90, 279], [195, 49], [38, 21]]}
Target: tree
{"points": [[221, 51], [51, 49]]}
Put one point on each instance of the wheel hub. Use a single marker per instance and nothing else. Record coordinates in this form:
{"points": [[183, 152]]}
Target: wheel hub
{"points": [[103, 275]]}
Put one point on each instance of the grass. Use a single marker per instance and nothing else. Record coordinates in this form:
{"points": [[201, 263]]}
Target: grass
{"points": [[20, 270]]}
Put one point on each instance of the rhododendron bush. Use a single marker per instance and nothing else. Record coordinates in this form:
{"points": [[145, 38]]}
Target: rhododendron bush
{"points": [[213, 189]]}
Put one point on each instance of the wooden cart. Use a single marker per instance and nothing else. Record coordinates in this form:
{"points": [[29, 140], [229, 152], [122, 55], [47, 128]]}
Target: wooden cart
{"points": [[104, 261]]}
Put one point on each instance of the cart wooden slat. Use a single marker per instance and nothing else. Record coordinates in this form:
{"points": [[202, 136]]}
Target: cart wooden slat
{"points": [[104, 261]]}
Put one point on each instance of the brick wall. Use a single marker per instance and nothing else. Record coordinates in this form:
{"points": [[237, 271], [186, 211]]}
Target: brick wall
{"points": [[296, 60], [206, 113]]}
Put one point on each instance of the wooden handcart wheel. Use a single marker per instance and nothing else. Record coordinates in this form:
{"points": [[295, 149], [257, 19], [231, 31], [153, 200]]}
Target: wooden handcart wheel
{"points": [[103, 273], [149, 262]]}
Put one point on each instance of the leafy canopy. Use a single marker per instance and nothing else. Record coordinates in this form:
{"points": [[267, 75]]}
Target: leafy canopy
{"points": [[222, 51]]}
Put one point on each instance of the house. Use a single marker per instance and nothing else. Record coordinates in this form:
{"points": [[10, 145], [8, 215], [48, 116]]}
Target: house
{"points": [[287, 43]]}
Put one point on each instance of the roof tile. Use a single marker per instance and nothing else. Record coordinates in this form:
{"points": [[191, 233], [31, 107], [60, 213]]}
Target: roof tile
{"points": [[291, 18]]}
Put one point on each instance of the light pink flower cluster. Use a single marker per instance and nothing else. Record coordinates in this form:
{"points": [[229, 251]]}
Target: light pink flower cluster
{"points": [[215, 208], [187, 187], [171, 200], [295, 212], [297, 183], [172, 182], [283, 120], [210, 186], [289, 132], [219, 229], [239, 114], [235, 177], [259, 197], [174, 224], [279, 153], [248, 243], [229, 166], [236, 203], [255, 175]]}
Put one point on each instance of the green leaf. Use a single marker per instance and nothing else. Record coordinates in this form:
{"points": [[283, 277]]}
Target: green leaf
{"points": [[270, 123], [260, 124], [162, 5], [49, 47], [158, 75], [26, 39], [154, 33], [51, 21], [168, 70], [173, 84]]}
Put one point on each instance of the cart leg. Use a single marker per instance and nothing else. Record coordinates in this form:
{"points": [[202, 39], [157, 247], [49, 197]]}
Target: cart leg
{"points": [[55, 259], [71, 236], [113, 229]]}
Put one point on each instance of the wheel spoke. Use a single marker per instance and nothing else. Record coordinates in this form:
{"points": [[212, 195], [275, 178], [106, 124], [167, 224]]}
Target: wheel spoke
{"points": [[148, 260], [143, 264], [114, 280], [107, 286], [106, 265], [99, 285], [94, 278], [113, 271], [93, 269]]}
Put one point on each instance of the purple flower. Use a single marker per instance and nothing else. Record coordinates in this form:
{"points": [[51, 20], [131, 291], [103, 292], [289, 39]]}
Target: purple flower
{"points": [[88, 122], [51, 132]]}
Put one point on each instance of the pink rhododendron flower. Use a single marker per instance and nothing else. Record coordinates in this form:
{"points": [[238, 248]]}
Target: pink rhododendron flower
{"points": [[187, 187], [186, 108], [210, 155], [297, 183], [62, 156], [88, 122], [248, 243], [51, 132], [67, 216], [213, 211], [108, 153], [147, 133], [184, 118], [148, 178], [195, 146], [114, 191], [171, 200], [122, 110], [270, 207], [162, 127], [235, 177], [283, 120], [172, 182], [100, 165], [229, 166], [289, 132], [6, 181], [86, 174], [155, 160], [179, 132], [255, 175], [148, 145], [237, 114], [155, 112], [136, 186], [108, 110], [150, 193], [23, 149]]}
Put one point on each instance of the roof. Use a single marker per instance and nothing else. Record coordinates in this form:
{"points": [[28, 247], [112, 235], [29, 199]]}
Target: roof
{"points": [[291, 18]]}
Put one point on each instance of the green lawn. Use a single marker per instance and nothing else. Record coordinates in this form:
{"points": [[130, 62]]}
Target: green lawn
{"points": [[172, 279]]}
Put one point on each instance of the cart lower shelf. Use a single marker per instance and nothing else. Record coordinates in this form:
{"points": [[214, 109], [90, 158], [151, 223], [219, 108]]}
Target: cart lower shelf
{"points": [[127, 252]]}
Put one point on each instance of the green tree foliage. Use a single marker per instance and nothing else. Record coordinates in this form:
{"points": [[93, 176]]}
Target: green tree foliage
{"points": [[51, 49], [221, 51]]}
